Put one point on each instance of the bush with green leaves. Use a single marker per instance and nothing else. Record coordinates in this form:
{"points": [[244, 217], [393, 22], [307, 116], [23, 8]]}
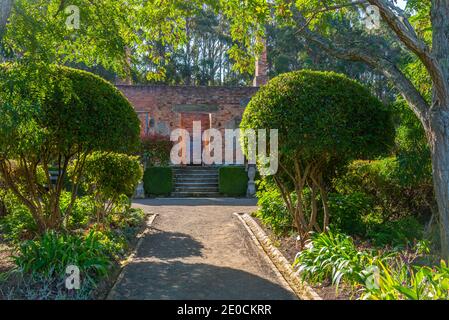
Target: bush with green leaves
{"points": [[348, 212], [156, 150], [52, 253], [323, 119], [110, 178], [18, 224], [83, 211], [52, 116], [333, 257], [158, 181], [399, 233], [233, 181], [392, 190], [272, 209]]}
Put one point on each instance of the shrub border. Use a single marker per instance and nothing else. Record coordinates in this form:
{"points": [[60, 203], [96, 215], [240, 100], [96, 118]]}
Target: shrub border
{"points": [[301, 288]]}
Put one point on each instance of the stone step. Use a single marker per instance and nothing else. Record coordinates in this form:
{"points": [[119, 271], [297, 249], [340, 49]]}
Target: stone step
{"points": [[196, 189], [196, 179], [195, 194], [195, 168], [192, 173], [196, 184]]}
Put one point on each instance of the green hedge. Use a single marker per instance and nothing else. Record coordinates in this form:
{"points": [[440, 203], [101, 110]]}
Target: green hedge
{"points": [[158, 181], [233, 181]]}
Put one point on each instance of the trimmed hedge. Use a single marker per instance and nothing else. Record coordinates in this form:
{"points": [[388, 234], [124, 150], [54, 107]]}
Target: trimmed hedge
{"points": [[158, 181], [233, 181], [321, 117]]}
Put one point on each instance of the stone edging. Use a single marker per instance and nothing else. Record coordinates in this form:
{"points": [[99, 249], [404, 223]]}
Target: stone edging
{"points": [[301, 288], [150, 220]]}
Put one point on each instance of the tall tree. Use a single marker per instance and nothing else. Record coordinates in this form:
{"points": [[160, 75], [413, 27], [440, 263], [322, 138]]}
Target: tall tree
{"points": [[311, 17], [202, 59]]}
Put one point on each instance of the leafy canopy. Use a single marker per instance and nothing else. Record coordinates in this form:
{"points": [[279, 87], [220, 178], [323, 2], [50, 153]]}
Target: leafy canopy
{"points": [[63, 110], [321, 114]]}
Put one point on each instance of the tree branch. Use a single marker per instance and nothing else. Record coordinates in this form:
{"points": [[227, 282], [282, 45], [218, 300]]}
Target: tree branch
{"points": [[385, 66], [403, 29]]}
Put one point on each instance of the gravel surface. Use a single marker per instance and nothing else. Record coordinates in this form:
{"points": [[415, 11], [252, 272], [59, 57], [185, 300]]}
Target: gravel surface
{"points": [[197, 249]]}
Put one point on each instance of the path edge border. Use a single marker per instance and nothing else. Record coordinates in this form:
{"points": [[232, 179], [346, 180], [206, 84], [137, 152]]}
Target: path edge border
{"points": [[148, 224], [301, 288]]}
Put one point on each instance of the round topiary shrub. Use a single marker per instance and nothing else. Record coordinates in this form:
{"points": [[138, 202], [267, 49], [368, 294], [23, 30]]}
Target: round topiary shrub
{"points": [[51, 116], [110, 178], [324, 119]]}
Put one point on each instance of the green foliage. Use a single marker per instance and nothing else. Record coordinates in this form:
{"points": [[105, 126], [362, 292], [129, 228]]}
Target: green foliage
{"points": [[17, 224], [233, 181], [51, 116], [324, 120], [156, 150], [348, 212], [332, 256], [321, 115], [376, 276], [272, 209], [401, 232], [394, 192], [415, 283], [67, 108], [158, 180], [52, 253], [110, 175], [82, 212], [197, 63], [38, 32]]}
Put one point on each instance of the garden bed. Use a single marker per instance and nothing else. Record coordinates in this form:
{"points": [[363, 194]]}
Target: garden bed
{"points": [[105, 285], [289, 247], [16, 286]]}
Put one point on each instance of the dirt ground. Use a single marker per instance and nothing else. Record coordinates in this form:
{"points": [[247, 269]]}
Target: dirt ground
{"points": [[5, 258]]}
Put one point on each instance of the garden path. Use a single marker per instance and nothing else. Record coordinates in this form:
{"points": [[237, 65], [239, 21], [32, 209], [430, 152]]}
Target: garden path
{"points": [[197, 249]]}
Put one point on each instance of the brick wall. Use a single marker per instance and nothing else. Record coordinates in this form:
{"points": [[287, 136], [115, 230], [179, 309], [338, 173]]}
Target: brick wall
{"points": [[162, 103]]}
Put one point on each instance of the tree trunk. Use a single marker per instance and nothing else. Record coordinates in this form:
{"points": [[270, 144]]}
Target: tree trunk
{"points": [[5, 12], [438, 133], [439, 142]]}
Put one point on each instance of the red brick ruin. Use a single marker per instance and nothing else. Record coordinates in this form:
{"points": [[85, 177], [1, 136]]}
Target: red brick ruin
{"points": [[164, 108]]}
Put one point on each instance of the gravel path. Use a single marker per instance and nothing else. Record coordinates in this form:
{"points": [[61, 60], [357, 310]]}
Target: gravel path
{"points": [[197, 249]]}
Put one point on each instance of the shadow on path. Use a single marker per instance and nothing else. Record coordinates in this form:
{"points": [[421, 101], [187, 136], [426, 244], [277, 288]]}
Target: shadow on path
{"points": [[218, 263], [169, 245], [177, 280]]}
